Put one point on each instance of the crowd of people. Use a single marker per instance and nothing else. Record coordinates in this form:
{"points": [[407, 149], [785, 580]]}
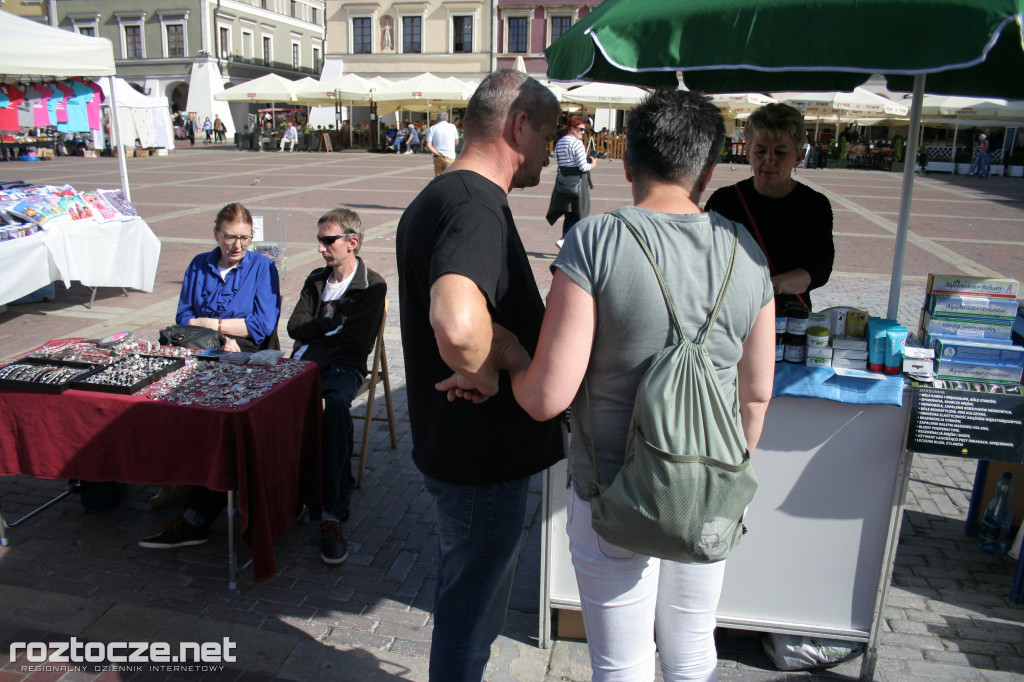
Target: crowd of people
{"points": [[493, 369]]}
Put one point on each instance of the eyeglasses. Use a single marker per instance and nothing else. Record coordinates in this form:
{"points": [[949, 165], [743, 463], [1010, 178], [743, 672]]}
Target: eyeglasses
{"points": [[242, 239], [581, 129], [327, 241]]}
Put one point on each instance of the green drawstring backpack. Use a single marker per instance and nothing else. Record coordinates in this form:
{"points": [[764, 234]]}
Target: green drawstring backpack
{"points": [[687, 480]]}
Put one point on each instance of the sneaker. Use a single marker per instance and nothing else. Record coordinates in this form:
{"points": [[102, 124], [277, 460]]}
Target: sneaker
{"points": [[177, 533], [333, 548]]}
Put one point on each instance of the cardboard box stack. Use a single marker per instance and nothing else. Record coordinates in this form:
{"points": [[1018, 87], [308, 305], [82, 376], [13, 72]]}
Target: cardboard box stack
{"points": [[969, 323]]}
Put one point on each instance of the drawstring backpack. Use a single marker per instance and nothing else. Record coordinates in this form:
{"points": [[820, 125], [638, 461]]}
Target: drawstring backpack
{"points": [[687, 479]]}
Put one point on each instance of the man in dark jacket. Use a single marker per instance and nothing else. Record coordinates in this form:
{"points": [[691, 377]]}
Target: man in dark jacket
{"points": [[335, 324]]}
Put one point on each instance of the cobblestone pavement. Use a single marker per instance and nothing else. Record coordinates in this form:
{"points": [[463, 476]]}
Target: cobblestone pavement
{"points": [[71, 572]]}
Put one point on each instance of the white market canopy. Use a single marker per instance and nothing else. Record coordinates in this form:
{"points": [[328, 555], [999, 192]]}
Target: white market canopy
{"points": [[348, 88], [741, 102], [858, 103], [268, 88], [29, 48], [605, 96], [971, 107], [423, 93]]}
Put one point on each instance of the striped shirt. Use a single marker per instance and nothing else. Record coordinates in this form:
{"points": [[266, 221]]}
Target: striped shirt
{"points": [[569, 151]]}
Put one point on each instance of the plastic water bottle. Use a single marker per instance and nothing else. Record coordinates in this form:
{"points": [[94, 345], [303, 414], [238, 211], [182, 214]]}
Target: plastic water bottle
{"points": [[994, 537]]}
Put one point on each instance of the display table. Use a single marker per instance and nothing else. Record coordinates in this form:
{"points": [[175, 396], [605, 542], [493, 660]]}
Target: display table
{"points": [[112, 254], [267, 450], [823, 525]]}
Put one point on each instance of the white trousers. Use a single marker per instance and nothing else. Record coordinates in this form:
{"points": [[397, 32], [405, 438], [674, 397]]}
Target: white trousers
{"points": [[630, 599]]}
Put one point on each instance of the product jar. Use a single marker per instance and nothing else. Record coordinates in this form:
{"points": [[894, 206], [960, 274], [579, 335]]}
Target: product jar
{"points": [[796, 318], [817, 336], [796, 348]]}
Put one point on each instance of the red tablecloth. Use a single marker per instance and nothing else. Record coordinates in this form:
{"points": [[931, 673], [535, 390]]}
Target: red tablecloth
{"points": [[268, 450]]}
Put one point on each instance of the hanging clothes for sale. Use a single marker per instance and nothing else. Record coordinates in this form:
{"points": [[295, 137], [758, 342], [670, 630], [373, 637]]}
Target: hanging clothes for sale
{"points": [[9, 113], [61, 94], [40, 106], [93, 105], [76, 107]]}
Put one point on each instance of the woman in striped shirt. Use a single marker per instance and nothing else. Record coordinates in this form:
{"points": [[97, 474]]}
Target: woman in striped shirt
{"points": [[573, 162]]}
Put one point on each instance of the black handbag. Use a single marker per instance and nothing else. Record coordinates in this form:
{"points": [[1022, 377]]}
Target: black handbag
{"points": [[189, 336], [568, 184]]}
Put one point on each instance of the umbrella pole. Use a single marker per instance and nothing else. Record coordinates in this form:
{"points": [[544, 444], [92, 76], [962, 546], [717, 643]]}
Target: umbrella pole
{"points": [[903, 224]]}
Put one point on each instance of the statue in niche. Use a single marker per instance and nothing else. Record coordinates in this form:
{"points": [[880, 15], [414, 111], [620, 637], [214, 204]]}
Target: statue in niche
{"points": [[387, 30]]}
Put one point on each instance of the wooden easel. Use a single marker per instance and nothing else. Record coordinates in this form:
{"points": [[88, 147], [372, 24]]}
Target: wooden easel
{"points": [[325, 141]]}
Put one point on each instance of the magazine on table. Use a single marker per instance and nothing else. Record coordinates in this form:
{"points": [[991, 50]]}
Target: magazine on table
{"points": [[101, 210], [117, 199], [40, 209], [75, 207]]}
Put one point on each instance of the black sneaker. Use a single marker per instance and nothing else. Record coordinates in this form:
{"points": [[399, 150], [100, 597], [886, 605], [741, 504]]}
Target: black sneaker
{"points": [[177, 533], [333, 548]]}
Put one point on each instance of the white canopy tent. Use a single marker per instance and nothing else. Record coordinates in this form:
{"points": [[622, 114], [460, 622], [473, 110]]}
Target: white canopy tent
{"points": [[32, 49], [422, 93], [141, 117]]}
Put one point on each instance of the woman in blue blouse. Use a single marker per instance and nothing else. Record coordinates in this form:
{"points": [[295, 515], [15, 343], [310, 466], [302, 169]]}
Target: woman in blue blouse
{"points": [[231, 289], [236, 292]]}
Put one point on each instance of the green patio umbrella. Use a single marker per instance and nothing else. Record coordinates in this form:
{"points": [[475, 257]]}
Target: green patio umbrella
{"points": [[964, 47]]}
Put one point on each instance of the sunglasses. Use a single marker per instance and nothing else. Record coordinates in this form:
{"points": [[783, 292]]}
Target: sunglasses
{"points": [[327, 241]]}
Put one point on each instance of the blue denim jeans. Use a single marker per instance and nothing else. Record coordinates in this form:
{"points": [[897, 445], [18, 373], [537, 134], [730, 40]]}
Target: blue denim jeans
{"points": [[339, 384], [481, 530]]}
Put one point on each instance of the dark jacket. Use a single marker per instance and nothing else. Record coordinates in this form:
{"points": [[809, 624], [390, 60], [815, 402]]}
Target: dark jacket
{"points": [[359, 311], [562, 204]]}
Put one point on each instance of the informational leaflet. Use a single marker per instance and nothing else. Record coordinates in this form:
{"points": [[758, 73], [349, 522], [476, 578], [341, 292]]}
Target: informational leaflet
{"points": [[972, 424]]}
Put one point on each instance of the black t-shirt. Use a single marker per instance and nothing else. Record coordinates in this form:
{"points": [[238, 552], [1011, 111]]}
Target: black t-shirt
{"points": [[797, 229], [461, 224]]}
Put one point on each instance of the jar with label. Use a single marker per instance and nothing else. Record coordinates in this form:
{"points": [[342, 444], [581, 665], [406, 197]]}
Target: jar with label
{"points": [[780, 347], [817, 336], [796, 318], [796, 348]]}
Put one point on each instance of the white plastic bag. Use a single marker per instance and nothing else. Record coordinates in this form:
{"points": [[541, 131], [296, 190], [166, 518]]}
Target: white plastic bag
{"points": [[795, 652]]}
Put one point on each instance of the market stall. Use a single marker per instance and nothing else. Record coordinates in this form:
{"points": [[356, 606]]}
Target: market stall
{"points": [[65, 55], [967, 49]]}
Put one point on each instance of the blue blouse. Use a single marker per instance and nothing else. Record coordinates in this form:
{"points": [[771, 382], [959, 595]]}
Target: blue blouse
{"points": [[250, 291]]}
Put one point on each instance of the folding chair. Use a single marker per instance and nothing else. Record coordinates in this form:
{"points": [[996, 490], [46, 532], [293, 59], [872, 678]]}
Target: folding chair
{"points": [[378, 374]]}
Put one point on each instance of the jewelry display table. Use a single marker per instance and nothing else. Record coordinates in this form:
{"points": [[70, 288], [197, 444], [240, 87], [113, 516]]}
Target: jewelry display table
{"points": [[268, 449]]}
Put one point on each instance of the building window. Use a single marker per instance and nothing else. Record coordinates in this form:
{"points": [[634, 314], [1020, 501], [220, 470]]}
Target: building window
{"points": [[518, 34], [313, 15], [87, 31], [296, 62], [462, 34], [412, 28], [316, 60], [133, 42], [224, 46], [268, 51], [362, 38], [263, 4], [247, 46], [294, 9], [559, 25], [175, 40]]}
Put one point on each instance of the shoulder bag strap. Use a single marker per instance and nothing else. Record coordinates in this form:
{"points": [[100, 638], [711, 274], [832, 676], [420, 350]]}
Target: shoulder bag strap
{"points": [[760, 239]]}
